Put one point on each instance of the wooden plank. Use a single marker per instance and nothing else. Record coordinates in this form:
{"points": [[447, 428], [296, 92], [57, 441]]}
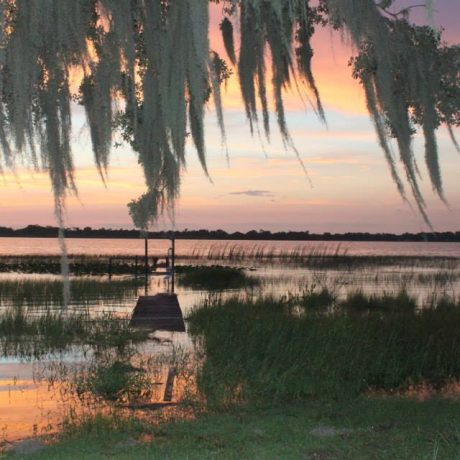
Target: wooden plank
{"points": [[158, 312], [169, 387]]}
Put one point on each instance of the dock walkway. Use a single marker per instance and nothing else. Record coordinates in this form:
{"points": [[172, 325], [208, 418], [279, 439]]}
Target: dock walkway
{"points": [[158, 312]]}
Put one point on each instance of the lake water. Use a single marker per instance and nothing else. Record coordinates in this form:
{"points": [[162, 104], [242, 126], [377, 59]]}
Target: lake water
{"points": [[29, 404], [95, 246]]}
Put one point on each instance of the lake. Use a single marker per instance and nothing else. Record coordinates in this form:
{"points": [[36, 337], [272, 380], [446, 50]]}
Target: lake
{"points": [[95, 246], [42, 380]]}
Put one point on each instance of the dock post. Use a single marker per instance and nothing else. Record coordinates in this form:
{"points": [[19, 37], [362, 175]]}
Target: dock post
{"points": [[169, 387], [110, 267], [146, 253], [173, 261]]}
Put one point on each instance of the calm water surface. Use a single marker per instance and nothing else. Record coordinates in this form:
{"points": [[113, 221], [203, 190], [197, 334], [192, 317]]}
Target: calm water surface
{"points": [[30, 405], [95, 246]]}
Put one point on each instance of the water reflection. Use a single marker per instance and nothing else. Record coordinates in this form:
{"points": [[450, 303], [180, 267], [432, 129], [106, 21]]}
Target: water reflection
{"points": [[158, 312], [64, 363], [37, 395]]}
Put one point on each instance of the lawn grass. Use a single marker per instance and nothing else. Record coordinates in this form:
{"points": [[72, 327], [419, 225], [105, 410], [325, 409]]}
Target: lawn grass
{"points": [[364, 428]]}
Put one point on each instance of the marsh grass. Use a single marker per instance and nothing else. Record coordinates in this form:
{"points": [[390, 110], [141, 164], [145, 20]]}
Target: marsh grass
{"points": [[322, 257], [439, 278], [315, 298], [78, 264], [257, 350], [358, 301], [85, 291], [116, 381], [341, 261], [319, 257], [18, 322], [214, 278], [50, 264], [263, 254], [133, 380], [26, 334]]}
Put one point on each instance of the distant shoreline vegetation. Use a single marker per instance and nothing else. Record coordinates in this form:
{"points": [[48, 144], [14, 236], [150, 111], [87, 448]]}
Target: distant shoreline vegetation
{"points": [[37, 231]]}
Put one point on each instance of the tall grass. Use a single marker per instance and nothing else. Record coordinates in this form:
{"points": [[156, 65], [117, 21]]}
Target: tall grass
{"points": [[78, 264], [264, 253], [358, 301], [27, 335], [321, 257], [312, 298], [257, 349], [214, 278], [116, 380], [85, 291]]}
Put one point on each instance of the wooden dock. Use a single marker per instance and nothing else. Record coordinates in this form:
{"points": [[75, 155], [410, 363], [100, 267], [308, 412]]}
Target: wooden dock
{"points": [[141, 265], [158, 312]]}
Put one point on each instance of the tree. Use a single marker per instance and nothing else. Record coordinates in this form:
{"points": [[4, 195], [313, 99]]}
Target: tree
{"points": [[153, 58]]}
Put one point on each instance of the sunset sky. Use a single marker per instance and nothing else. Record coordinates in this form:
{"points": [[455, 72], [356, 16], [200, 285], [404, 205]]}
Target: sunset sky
{"points": [[263, 186]]}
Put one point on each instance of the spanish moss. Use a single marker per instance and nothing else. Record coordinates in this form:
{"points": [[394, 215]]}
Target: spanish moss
{"points": [[147, 72]]}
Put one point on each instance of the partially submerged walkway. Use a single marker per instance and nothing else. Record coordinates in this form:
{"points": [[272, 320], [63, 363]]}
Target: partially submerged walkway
{"points": [[158, 312]]}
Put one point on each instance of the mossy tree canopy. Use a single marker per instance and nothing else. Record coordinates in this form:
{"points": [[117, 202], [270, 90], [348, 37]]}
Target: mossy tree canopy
{"points": [[148, 72]]}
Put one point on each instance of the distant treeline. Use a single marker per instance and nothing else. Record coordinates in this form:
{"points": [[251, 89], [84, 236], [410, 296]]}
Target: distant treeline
{"points": [[38, 231]]}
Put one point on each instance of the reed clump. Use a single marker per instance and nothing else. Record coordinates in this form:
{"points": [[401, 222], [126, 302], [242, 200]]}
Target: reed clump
{"points": [[78, 264], [358, 301], [340, 260], [116, 381], [214, 278], [41, 293], [256, 349], [314, 298], [29, 335]]}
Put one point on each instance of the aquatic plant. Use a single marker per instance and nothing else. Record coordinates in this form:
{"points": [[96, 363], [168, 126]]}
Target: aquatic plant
{"points": [[116, 381], [214, 277], [359, 302], [27, 334], [39, 294], [277, 355], [313, 299], [78, 264]]}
